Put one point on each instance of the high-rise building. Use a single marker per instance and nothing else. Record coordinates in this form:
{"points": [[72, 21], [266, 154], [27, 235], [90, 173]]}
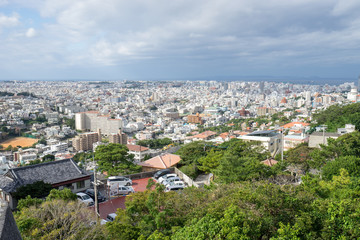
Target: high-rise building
{"points": [[92, 120], [119, 137], [85, 141], [261, 86], [195, 119], [308, 98]]}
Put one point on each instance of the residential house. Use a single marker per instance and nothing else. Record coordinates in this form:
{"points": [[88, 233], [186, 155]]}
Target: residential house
{"points": [[160, 162], [60, 174], [138, 151]]}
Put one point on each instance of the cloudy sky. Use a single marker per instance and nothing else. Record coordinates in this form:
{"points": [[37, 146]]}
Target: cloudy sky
{"points": [[148, 39]]}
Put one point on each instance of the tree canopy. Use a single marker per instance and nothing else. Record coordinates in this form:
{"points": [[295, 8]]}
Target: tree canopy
{"points": [[336, 116], [114, 159]]}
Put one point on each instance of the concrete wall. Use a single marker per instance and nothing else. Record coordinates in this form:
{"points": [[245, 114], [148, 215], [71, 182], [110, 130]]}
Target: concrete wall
{"points": [[186, 178], [8, 227]]}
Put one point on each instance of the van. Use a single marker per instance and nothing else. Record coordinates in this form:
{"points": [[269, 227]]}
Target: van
{"points": [[118, 181]]}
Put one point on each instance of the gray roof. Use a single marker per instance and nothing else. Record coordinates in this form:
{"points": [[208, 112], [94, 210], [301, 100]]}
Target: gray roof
{"points": [[6, 183], [8, 228], [50, 172], [327, 134], [264, 133]]}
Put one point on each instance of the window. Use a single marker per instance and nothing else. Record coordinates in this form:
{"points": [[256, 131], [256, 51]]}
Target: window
{"points": [[80, 184]]}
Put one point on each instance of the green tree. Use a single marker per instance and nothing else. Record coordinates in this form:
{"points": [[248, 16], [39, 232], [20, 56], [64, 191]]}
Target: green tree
{"points": [[58, 219], [35, 190], [8, 148], [48, 158], [114, 159], [66, 194], [210, 161], [69, 122], [191, 152], [27, 202], [350, 163]]}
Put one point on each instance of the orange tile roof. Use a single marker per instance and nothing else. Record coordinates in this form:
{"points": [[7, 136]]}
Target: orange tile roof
{"points": [[269, 162], [136, 148], [161, 161], [292, 124]]}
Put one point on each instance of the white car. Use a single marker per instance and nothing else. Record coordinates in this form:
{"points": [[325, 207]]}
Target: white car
{"points": [[124, 190], [110, 217], [103, 221], [118, 180], [171, 180], [167, 176], [85, 199], [177, 183], [173, 188]]}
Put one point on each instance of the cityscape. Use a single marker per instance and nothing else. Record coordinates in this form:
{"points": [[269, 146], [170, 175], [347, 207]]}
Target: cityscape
{"points": [[179, 120]]}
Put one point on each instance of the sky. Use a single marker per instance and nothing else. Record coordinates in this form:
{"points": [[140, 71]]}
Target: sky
{"points": [[178, 39]]}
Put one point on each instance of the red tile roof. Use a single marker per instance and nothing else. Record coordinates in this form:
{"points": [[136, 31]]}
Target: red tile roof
{"points": [[136, 148], [269, 162], [292, 124], [161, 161]]}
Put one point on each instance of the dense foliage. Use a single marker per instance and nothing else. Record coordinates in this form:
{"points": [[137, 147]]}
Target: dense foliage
{"points": [[35, 190], [155, 143], [336, 116], [231, 161], [114, 159]]}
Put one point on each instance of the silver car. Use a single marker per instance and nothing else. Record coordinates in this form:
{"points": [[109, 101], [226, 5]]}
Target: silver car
{"points": [[124, 190], [170, 180]]}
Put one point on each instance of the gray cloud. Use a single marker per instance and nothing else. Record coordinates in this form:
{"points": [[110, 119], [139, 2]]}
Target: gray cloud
{"points": [[238, 35]]}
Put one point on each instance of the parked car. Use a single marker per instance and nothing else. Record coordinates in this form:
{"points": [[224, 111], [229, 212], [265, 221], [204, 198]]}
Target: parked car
{"points": [[173, 188], [124, 190], [86, 199], [167, 176], [103, 221], [91, 193], [110, 217], [121, 181], [170, 180], [161, 173], [176, 183]]}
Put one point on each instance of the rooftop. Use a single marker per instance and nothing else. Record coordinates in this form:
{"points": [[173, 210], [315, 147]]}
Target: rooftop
{"points": [[50, 172]]}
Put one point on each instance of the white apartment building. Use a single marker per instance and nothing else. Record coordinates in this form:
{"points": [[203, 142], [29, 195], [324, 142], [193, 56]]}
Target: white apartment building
{"points": [[60, 147], [93, 120], [270, 139]]}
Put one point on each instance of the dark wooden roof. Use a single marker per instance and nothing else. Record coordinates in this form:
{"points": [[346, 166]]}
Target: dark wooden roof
{"points": [[50, 172]]}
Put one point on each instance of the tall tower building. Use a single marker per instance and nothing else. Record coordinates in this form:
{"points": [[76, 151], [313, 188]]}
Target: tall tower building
{"points": [[308, 98], [358, 85], [261, 86]]}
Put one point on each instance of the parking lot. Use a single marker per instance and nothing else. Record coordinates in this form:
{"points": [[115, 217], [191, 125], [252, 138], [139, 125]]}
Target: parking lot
{"points": [[112, 205]]}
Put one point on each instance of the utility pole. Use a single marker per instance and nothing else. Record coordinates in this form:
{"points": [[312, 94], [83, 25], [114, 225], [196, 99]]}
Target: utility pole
{"points": [[282, 144], [324, 126], [95, 190]]}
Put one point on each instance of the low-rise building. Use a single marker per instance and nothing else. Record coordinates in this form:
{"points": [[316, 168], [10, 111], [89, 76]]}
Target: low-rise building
{"points": [[317, 138], [270, 139], [60, 174], [160, 162], [138, 151]]}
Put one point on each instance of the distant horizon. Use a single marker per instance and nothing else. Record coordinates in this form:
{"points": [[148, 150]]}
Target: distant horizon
{"points": [[314, 80]]}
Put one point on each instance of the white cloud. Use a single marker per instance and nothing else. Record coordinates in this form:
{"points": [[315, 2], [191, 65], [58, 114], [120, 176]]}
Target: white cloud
{"points": [[8, 21], [112, 32], [30, 33]]}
